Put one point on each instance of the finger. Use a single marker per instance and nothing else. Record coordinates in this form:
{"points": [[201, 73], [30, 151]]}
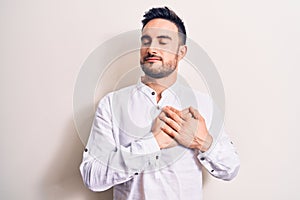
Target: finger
{"points": [[188, 116], [184, 114], [170, 122], [168, 130], [178, 112], [185, 111], [161, 115], [173, 115], [195, 113]]}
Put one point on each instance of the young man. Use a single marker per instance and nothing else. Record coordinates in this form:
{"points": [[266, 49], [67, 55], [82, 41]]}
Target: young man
{"points": [[150, 140]]}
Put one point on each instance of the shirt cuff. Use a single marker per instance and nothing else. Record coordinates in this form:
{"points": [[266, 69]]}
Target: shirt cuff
{"points": [[145, 146]]}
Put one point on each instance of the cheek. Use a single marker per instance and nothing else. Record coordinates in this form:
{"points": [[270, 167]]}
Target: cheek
{"points": [[169, 57], [142, 52], [172, 48], [171, 51]]}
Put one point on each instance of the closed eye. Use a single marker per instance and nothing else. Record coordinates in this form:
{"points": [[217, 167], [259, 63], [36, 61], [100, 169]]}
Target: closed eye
{"points": [[146, 43], [146, 40], [164, 39], [163, 43]]}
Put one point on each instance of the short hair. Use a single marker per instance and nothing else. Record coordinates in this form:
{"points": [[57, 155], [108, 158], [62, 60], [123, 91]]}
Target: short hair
{"points": [[168, 14]]}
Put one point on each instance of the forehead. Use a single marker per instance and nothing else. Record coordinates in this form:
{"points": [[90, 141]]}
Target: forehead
{"points": [[156, 27]]}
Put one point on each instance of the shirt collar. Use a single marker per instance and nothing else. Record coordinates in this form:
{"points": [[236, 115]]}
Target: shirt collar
{"points": [[144, 88], [170, 91]]}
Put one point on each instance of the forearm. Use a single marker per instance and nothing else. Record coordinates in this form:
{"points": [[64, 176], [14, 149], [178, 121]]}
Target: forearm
{"points": [[105, 165]]}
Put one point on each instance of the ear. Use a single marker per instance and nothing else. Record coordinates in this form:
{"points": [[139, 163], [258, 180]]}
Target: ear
{"points": [[182, 51]]}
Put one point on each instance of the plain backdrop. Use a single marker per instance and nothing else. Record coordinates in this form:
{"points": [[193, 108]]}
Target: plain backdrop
{"points": [[254, 44]]}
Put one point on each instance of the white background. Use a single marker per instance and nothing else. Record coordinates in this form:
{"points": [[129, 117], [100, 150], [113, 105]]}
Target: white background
{"points": [[254, 44]]}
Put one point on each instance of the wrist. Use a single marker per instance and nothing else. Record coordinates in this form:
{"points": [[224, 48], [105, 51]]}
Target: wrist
{"points": [[206, 143]]}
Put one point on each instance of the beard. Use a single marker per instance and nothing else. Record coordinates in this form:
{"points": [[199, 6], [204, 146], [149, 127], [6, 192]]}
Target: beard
{"points": [[158, 70]]}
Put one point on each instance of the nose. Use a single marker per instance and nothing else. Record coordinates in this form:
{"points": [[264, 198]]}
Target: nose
{"points": [[152, 49]]}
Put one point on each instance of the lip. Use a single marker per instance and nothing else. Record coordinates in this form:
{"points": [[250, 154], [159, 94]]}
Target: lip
{"points": [[152, 59]]}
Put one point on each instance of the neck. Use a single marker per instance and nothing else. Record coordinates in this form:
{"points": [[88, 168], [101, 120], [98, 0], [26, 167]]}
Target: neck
{"points": [[159, 85]]}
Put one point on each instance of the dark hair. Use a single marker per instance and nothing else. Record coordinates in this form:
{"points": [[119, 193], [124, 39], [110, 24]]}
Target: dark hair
{"points": [[168, 14]]}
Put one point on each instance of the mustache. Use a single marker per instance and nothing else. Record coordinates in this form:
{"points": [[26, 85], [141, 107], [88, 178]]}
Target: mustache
{"points": [[152, 56]]}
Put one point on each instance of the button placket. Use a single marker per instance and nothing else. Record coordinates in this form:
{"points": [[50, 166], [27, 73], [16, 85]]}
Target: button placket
{"points": [[157, 171]]}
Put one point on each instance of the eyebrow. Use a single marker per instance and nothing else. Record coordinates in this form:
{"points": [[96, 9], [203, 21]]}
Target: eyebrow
{"points": [[145, 37], [159, 37]]}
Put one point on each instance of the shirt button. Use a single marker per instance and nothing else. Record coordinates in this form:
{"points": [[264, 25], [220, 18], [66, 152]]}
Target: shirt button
{"points": [[136, 173], [86, 150], [212, 171], [156, 157], [202, 158], [153, 93], [157, 107]]}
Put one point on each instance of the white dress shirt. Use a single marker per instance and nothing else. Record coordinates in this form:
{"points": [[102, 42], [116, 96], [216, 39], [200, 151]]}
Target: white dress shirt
{"points": [[122, 152]]}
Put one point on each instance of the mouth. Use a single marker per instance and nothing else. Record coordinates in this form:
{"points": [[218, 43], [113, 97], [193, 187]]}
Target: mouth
{"points": [[152, 59]]}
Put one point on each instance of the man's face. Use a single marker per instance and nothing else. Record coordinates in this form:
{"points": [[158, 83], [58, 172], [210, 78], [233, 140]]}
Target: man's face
{"points": [[159, 48]]}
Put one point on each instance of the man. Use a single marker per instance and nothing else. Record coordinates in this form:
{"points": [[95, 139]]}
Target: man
{"points": [[150, 140]]}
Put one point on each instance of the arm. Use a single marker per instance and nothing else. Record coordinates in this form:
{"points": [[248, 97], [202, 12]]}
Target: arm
{"points": [[105, 162], [217, 155], [221, 159]]}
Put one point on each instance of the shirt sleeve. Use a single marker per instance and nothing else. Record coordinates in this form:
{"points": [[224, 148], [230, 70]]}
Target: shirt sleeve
{"points": [[221, 159], [105, 162]]}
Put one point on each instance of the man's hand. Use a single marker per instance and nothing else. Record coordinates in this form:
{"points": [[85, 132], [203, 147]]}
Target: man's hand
{"points": [[164, 140], [187, 128]]}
